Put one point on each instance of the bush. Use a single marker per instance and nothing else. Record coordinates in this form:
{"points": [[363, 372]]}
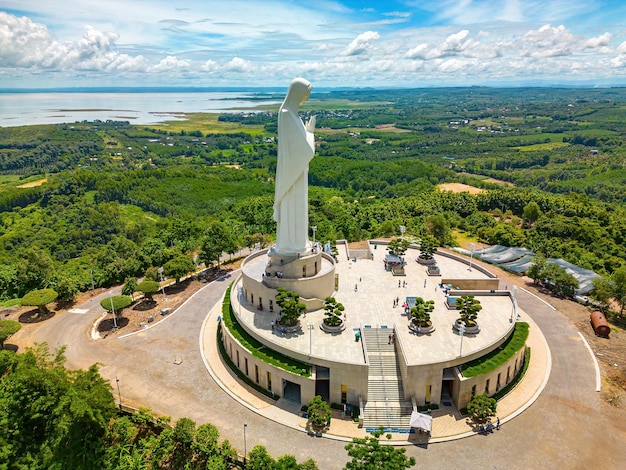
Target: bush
{"points": [[481, 408], [319, 413], [8, 328], [117, 302]]}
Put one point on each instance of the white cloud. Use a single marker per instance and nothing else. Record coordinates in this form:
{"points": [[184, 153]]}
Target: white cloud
{"points": [[361, 44], [456, 44], [600, 41], [171, 64], [237, 64], [548, 41]]}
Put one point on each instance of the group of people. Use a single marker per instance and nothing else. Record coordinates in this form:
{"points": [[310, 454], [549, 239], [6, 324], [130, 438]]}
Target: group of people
{"points": [[276, 325], [487, 428], [279, 274]]}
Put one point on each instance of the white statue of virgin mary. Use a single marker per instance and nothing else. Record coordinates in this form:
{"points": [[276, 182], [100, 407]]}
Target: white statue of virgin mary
{"points": [[296, 147]]}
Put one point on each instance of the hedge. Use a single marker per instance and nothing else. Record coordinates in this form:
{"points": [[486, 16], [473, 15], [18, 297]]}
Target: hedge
{"points": [[256, 348]]}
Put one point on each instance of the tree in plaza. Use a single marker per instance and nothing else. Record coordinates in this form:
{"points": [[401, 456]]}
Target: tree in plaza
{"points": [[7, 329], [369, 454], [333, 311], [428, 246], [179, 267], [319, 413], [130, 287], [148, 288], [481, 408], [420, 313], [291, 305], [40, 299], [468, 309], [398, 246], [116, 303]]}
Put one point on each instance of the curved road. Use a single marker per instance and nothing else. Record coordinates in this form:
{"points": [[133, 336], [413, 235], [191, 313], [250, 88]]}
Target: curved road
{"points": [[161, 368]]}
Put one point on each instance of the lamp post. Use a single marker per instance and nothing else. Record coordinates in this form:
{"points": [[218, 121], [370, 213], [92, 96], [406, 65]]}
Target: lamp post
{"points": [[314, 228], [245, 447], [113, 310], [461, 332], [160, 270], [310, 326], [472, 248], [118, 391], [402, 230]]}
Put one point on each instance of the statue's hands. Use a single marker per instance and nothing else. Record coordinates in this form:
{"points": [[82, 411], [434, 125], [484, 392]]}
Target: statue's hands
{"points": [[310, 125]]}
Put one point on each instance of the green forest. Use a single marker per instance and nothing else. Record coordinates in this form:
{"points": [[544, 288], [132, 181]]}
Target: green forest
{"points": [[90, 204], [93, 204]]}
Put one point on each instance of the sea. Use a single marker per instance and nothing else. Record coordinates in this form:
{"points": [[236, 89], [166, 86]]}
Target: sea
{"points": [[140, 106]]}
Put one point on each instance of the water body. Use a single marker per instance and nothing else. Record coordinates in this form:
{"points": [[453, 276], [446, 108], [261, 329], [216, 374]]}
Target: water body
{"points": [[24, 108]]}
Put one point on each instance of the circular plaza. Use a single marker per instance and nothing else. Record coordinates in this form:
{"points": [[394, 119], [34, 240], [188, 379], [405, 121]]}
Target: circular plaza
{"points": [[377, 364]]}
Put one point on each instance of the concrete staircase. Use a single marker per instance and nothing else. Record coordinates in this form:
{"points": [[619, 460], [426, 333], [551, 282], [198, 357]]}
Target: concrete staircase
{"points": [[386, 405]]}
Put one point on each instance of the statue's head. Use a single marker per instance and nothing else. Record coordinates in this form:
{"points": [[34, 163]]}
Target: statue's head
{"points": [[298, 92]]}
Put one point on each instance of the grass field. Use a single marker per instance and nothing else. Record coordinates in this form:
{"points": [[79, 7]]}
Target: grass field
{"points": [[542, 147], [206, 123]]}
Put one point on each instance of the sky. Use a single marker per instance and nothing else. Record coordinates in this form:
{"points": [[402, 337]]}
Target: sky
{"points": [[332, 43]]}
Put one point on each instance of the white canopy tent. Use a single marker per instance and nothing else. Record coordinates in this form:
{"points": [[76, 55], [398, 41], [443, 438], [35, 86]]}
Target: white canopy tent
{"points": [[421, 421]]}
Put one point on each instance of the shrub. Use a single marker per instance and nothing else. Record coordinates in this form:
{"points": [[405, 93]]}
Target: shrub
{"points": [[481, 408]]}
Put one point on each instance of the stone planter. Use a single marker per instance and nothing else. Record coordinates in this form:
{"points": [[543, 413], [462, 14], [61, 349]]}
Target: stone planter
{"points": [[469, 330], [422, 330], [333, 329], [290, 328], [426, 261]]}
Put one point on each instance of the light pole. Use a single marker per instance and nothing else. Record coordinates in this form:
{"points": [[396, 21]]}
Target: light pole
{"points": [[93, 284], [461, 332], [402, 230], [472, 248], [514, 308], [314, 228], [310, 326], [245, 447], [118, 391], [113, 309], [162, 285]]}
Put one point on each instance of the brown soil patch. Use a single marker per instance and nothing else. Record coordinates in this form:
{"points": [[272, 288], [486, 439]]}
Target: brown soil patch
{"points": [[460, 188], [33, 184]]}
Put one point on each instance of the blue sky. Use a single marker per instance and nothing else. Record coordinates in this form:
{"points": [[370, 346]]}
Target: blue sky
{"points": [[410, 43]]}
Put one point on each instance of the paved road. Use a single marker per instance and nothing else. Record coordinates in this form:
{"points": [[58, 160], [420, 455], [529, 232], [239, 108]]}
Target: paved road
{"points": [[563, 429]]}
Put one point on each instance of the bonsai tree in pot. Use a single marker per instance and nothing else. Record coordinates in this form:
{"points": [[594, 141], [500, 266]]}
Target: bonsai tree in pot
{"points": [[398, 246], [291, 305], [420, 314], [333, 311], [428, 246], [468, 308]]}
